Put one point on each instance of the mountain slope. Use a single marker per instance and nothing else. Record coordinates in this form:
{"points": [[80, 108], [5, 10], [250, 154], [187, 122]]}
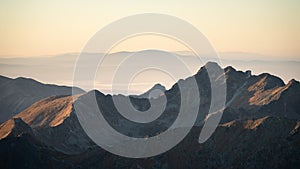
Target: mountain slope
{"points": [[18, 94], [258, 96], [49, 112], [15, 127], [54, 117]]}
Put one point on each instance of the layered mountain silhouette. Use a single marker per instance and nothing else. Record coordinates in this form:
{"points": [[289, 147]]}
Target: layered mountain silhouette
{"points": [[259, 127]]}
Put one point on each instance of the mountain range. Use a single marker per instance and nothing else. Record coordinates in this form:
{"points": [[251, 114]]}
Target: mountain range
{"points": [[58, 69], [259, 126]]}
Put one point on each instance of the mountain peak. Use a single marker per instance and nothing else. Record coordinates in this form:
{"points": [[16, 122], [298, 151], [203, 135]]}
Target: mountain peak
{"points": [[153, 92], [211, 63], [158, 86], [293, 82], [229, 68], [271, 81], [212, 66]]}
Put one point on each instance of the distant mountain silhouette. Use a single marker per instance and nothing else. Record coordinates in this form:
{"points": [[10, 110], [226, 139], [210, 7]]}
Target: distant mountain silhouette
{"points": [[259, 128], [18, 94]]}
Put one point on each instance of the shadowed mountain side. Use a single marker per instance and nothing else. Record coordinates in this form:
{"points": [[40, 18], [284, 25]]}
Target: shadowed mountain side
{"points": [[238, 144], [18, 94], [14, 127], [55, 124], [251, 97]]}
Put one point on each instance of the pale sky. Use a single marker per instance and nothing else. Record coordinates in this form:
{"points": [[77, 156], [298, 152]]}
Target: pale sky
{"points": [[38, 28]]}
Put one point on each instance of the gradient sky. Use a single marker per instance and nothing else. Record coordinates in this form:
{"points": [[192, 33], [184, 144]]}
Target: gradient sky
{"points": [[35, 27]]}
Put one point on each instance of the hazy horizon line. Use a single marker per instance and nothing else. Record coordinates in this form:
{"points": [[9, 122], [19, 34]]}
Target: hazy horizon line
{"points": [[266, 57]]}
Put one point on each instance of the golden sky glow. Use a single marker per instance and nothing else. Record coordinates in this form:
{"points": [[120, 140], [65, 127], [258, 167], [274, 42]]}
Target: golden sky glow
{"points": [[34, 27]]}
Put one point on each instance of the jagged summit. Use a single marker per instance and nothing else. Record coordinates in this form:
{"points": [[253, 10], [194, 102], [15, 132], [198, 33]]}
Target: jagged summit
{"points": [[271, 80]]}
